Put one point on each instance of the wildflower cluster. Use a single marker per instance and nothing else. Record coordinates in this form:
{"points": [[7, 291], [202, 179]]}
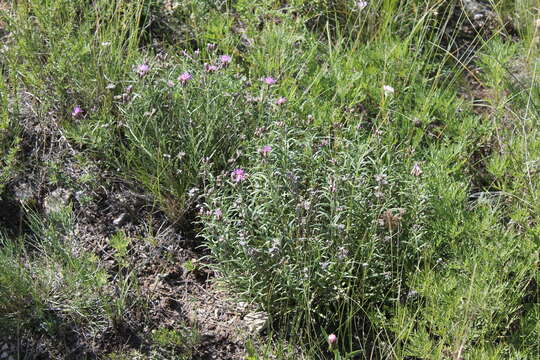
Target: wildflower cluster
{"points": [[182, 134]]}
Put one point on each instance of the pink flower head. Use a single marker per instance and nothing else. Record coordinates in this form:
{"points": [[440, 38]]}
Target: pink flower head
{"points": [[332, 339], [238, 175], [185, 77], [269, 80], [210, 46], [265, 150], [77, 112], [143, 69], [170, 83], [281, 101], [361, 4], [388, 90], [225, 60], [210, 68], [218, 213]]}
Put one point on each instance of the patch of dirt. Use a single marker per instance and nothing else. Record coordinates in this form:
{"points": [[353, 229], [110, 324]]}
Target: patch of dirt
{"points": [[10, 216], [466, 23]]}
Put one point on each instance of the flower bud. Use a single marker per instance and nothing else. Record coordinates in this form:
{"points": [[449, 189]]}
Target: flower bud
{"points": [[332, 339]]}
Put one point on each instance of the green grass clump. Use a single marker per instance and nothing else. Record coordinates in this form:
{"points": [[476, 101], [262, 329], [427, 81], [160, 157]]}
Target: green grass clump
{"points": [[72, 64], [50, 287], [178, 343]]}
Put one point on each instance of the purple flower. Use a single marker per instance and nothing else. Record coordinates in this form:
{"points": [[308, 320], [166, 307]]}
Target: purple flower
{"points": [[265, 150], [143, 69], [218, 213], [238, 175], [210, 46], [185, 77], [170, 83], [210, 68], [77, 112], [281, 101], [225, 60], [269, 80]]}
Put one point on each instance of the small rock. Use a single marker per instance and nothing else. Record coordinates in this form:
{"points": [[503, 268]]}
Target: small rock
{"points": [[121, 219], [24, 192], [242, 306], [256, 322], [478, 16]]}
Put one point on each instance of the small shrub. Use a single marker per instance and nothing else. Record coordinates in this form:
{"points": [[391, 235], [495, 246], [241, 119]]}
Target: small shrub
{"points": [[178, 343], [317, 226]]}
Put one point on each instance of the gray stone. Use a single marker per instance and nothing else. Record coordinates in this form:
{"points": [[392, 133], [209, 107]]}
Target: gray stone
{"points": [[24, 192], [256, 322], [121, 219], [478, 12]]}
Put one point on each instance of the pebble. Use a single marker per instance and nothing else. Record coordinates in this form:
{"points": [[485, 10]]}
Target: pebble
{"points": [[121, 219], [256, 322]]}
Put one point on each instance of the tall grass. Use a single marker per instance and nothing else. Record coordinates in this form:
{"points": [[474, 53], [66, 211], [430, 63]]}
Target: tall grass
{"points": [[47, 284]]}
